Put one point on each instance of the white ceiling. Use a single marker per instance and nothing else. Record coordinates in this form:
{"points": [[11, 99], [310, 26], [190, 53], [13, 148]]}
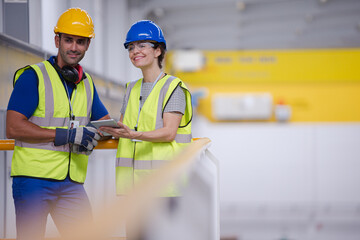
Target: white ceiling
{"points": [[255, 24]]}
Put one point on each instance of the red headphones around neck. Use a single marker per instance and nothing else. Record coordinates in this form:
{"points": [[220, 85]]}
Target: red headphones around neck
{"points": [[71, 74]]}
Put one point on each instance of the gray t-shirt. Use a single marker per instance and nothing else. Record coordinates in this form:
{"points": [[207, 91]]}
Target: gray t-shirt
{"points": [[176, 102]]}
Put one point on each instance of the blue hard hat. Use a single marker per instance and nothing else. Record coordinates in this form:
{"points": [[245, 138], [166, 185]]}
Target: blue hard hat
{"points": [[144, 30]]}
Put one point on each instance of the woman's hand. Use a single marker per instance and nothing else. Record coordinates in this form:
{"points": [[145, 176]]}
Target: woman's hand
{"points": [[122, 131]]}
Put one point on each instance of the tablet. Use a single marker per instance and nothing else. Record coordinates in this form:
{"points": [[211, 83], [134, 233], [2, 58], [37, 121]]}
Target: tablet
{"points": [[105, 123]]}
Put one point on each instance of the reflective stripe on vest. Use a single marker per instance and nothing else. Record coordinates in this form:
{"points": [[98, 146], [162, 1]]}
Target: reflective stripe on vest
{"points": [[149, 164], [53, 111]]}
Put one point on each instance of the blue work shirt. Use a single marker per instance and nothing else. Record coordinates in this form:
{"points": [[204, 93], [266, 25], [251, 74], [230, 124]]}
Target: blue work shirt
{"points": [[25, 95]]}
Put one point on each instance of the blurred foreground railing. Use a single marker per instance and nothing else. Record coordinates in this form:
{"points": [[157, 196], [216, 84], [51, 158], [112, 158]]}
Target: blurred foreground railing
{"points": [[192, 216], [8, 144]]}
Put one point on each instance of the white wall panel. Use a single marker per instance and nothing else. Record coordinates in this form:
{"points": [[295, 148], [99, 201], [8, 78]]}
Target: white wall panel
{"points": [[337, 159], [35, 25], [263, 162], [115, 55], [286, 162], [50, 12], [287, 181]]}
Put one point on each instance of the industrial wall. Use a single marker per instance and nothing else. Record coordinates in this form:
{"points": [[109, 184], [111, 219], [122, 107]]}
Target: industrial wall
{"points": [[319, 85]]}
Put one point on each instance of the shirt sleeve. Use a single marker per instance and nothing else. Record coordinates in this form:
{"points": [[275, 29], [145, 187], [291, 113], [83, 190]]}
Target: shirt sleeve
{"points": [[123, 107], [176, 101], [25, 96], [98, 109]]}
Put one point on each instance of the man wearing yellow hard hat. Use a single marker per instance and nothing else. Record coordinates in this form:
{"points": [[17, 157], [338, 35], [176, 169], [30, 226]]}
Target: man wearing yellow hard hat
{"points": [[48, 114]]}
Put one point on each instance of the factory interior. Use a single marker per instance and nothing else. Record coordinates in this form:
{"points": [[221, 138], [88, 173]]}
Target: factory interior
{"points": [[275, 90]]}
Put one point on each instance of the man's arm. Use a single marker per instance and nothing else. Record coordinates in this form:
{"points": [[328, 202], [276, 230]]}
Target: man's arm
{"points": [[22, 104], [20, 128]]}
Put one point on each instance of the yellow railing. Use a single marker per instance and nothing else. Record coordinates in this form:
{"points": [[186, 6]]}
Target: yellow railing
{"points": [[8, 144]]}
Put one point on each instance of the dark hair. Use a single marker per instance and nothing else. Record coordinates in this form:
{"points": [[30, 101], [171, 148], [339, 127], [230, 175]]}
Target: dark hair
{"points": [[162, 54], [60, 34]]}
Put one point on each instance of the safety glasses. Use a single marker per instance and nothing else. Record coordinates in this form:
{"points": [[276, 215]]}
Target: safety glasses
{"points": [[140, 46]]}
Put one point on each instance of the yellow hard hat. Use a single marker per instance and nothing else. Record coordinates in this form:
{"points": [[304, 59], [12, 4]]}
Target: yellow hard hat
{"points": [[75, 21]]}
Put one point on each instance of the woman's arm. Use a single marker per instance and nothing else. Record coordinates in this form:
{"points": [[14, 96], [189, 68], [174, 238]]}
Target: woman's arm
{"points": [[165, 134]]}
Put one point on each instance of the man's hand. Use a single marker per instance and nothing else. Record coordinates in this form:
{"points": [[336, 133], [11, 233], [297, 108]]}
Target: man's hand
{"points": [[80, 150], [83, 136]]}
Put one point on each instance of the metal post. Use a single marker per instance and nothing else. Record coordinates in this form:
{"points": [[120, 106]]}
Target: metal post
{"points": [[3, 176]]}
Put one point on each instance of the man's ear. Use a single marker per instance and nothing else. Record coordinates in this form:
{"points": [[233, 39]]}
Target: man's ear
{"points": [[57, 41], [88, 44]]}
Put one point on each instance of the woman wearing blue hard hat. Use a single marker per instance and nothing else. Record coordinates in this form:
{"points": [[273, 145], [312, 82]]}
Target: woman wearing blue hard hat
{"points": [[156, 115]]}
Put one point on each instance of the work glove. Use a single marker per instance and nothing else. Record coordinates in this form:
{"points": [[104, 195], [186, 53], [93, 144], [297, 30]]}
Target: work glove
{"points": [[78, 149], [83, 136]]}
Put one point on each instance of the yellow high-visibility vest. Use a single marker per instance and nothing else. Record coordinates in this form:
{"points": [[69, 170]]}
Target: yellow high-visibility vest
{"points": [[44, 160], [136, 159]]}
